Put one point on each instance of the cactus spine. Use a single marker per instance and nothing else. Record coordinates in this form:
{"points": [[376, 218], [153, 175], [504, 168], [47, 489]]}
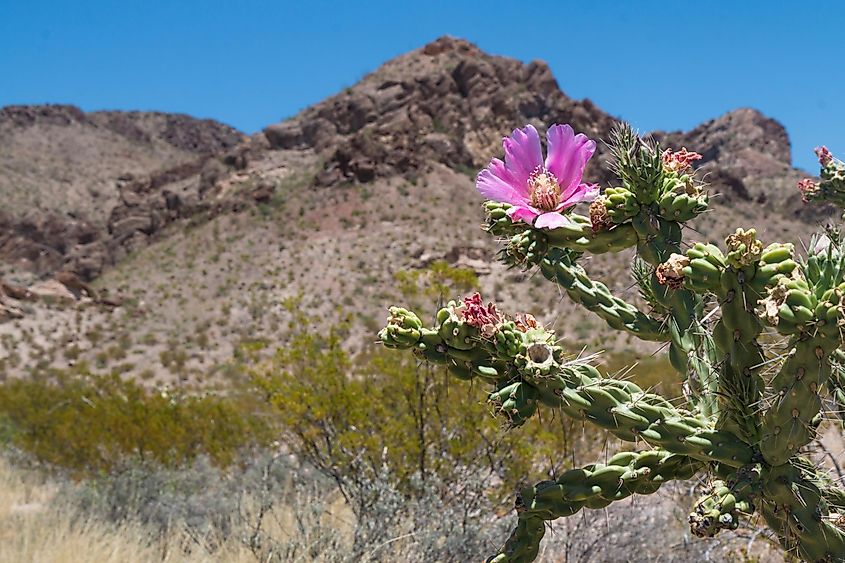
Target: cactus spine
{"points": [[751, 406]]}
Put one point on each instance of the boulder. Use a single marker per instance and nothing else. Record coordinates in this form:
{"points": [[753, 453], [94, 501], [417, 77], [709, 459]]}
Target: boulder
{"points": [[52, 291]]}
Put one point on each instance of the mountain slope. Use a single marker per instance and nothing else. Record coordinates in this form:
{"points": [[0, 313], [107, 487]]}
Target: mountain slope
{"points": [[59, 171]]}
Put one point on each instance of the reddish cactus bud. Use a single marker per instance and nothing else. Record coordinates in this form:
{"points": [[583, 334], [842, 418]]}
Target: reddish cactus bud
{"points": [[824, 155]]}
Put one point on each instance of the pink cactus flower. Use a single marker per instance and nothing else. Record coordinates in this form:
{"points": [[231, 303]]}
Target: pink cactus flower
{"points": [[824, 155], [540, 191]]}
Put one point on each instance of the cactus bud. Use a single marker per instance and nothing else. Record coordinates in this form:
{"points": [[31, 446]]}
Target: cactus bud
{"points": [[621, 204], [825, 157], [402, 330], [808, 188], [743, 248]]}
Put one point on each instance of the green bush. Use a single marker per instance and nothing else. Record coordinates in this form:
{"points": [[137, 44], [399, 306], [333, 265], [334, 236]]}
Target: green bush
{"points": [[353, 417], [91, 423]]}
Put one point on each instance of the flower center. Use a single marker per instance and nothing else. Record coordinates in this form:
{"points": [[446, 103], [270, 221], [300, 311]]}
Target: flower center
{"points": [[543, 190]]}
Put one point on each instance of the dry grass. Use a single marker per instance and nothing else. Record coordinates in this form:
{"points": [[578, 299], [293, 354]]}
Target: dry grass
{"points": [[33, 530], [36, 528]]}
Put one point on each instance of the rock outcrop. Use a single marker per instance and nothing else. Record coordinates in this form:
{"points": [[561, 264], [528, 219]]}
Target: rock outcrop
{"points": [[448, 102], [61, 173]]}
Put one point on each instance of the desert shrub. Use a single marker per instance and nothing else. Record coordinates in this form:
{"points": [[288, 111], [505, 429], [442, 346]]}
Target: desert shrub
{"points": [[91, 423], [280, 510], [437, 280], [351, 417]]}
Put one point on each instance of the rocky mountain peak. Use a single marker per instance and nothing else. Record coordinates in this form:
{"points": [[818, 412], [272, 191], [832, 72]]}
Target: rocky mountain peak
{"points": [[447, 102], [449, 44], [60, 168]]}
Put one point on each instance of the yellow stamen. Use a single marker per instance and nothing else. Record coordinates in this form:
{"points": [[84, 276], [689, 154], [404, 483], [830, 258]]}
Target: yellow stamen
{"points": [[543, 189]]}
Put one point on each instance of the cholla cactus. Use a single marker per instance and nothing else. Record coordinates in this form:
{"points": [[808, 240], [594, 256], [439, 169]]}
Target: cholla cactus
{"points": [[751, 406]]}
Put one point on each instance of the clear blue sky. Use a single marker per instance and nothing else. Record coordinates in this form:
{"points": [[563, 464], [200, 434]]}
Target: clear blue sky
{"points": [[665, 65]]}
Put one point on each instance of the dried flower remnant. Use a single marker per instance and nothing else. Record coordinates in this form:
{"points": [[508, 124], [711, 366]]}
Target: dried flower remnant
{"points": [[525, 322], [599, 217], [808, 189], [744, 248], [770, 305], [671, 272], [486, 318], [680, 161]]}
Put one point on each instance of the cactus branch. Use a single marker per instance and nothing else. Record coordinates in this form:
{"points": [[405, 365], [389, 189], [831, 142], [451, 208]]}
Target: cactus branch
{"points": [[593, 486]]}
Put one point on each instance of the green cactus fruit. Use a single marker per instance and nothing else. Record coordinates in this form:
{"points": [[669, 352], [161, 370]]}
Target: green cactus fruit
{"points": [[508, 340], [498, 223], [515, 402], [525, 248], [454, 331], [704, 271], [537, 357], [682, 207], [776, 262], [402, 330], [789, 306], [621, 204]]}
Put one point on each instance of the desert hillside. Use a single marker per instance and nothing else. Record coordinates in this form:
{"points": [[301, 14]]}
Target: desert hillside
{"points": [[157, 245]]}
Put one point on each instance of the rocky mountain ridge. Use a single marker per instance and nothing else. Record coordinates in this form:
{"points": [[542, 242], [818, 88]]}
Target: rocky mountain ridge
{"points": [[447, 103]]}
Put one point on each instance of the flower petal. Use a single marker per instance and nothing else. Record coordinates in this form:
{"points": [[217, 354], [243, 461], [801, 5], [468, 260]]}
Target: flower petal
{"points": [[496, 183], [551, 220], [523, 153], [582, 192], [568, 155], [522, 213]]}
